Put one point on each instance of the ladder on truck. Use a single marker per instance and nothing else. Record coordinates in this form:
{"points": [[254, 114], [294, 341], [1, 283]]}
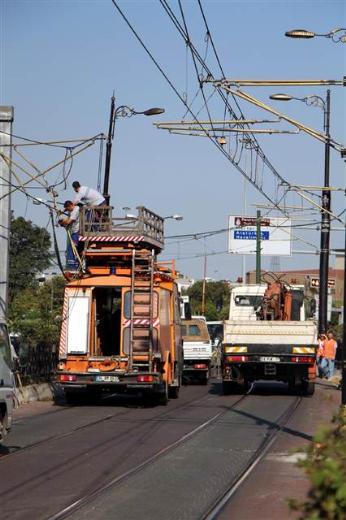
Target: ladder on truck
{"points": [[142, 294]]}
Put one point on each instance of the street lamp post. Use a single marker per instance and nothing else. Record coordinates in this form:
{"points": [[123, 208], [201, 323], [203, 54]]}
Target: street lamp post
{"points": [[121, 111], [325, 218], [336, 35]]}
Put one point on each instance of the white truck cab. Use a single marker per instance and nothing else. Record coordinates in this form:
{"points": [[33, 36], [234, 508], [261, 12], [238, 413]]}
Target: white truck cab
{"points": [[7, 382]]}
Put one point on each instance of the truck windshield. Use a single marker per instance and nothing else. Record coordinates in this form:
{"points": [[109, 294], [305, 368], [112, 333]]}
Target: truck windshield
{"points": [[195, 330], [248, 300]]}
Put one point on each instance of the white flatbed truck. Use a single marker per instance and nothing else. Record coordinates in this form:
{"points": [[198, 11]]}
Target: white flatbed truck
{"points": [[256, 349]]}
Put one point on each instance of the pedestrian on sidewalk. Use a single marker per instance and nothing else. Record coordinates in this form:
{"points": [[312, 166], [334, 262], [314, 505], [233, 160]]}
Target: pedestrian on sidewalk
{"points": [[71, 223], [320, 355], [329, 352]]}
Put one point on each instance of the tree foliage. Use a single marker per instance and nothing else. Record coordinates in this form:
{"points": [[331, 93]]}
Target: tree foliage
{"points": [[29, 254], [217, 295], [35, 312], [325, 465]]}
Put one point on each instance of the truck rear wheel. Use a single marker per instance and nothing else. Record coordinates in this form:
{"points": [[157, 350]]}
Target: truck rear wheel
{"points": [[308, 387], [73, 398], [173, 392], [227, 387]]}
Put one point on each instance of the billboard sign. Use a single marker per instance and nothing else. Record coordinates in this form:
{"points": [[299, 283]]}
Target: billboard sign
{"points": [[275, 236]]}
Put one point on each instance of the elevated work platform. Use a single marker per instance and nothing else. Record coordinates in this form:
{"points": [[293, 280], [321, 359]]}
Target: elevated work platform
{"points": [[145, 230]]}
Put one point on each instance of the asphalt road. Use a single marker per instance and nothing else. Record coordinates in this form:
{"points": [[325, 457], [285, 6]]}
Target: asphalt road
{"points": [[117, 459]]}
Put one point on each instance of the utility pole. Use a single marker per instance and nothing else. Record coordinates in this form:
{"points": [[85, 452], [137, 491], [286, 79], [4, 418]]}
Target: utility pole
{"points": [[109, 150], [258, 248], [204, 284], [343, 357], [6, 120], [325, 227]]}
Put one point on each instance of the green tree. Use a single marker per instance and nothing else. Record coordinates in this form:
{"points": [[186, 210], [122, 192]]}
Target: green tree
{"points": [[35, 312], [217, 295], [29, 254]]}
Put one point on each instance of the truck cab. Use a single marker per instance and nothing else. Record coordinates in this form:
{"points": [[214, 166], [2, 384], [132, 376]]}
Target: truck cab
{"points": [[7, 382], [197, 349]]}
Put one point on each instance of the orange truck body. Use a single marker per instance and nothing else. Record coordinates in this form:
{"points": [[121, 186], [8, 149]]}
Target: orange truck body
{"points": [[121, 329]]}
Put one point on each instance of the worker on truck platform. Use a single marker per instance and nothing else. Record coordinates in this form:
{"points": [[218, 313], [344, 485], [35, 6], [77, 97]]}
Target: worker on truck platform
{"points": [[90, 198], [71, 223], [87, 196]]}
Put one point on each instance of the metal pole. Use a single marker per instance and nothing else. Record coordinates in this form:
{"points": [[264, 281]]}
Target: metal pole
{"points": [[343, 368], [109, 151], [325, 228], [244, 214], [258, 247], [204, 283], [6, 120]]}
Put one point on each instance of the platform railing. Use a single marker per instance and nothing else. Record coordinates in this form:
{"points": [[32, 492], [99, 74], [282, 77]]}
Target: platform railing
{"points": [[99, 221]]}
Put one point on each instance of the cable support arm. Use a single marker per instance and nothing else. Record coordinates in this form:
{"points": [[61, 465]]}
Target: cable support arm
{"points": [[276, 83], [310, 131]]}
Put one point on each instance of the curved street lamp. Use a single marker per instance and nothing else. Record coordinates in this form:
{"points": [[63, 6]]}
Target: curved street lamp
{"points": [[326, 198], [115, 113], [334, 34]]}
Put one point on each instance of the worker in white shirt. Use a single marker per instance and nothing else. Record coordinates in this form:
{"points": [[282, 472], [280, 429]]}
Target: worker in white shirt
{"points": [[90, 198], [87, 196], [71, 223]]}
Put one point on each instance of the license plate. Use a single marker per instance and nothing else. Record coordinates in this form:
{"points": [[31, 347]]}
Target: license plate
{"points": [[108, 379], [270, 359]]}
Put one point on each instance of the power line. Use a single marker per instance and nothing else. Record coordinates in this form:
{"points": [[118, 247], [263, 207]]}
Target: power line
{"points": [[252, 180]]}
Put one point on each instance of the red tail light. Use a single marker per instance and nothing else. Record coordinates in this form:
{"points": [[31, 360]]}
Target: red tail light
{"points": [[68, 377], [237, 359], [145, 379], [302, 359], [201, 366]]}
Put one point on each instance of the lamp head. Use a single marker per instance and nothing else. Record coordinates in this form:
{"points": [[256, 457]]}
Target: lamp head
{"points": [[281, 97], [300, 33], [153, 111]]}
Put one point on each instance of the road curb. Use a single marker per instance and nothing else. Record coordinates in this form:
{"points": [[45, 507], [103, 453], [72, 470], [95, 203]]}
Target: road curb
{"points": [[38, 392]]}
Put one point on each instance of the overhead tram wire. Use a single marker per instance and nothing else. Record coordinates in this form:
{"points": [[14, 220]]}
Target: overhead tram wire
{"points": [[218, 146], [255, 145], [221, 92], [55, 144], [188, 43]]}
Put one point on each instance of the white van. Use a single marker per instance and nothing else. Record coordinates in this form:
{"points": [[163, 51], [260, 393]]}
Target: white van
{"points": [[7, 382]]}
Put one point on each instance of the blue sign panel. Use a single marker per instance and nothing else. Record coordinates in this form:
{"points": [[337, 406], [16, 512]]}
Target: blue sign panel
{"points": [[245, 234]]}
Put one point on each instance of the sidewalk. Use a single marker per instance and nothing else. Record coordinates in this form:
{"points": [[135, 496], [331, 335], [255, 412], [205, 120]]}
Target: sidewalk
{"points": [[263, 496]]}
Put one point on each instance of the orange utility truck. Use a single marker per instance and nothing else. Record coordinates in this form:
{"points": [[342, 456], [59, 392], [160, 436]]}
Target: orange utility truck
{"points": [[121, 330]]}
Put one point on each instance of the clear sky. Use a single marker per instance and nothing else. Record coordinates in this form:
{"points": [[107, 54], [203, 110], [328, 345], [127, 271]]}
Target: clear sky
{"points": [[61, 61]]}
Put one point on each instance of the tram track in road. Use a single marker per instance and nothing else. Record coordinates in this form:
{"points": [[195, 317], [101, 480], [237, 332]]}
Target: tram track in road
{"points": [[178, 466], [121, 415], [87, 498], [224, 499]]}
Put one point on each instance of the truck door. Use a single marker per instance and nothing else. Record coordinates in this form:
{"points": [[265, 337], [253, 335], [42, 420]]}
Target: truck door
{"points": [[75, 329]]}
